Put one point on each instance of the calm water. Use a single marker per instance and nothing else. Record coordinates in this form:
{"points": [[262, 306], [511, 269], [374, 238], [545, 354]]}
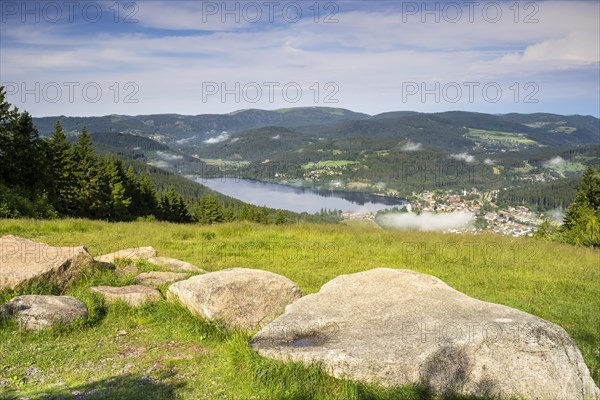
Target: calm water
{"points": [[298, 199]]}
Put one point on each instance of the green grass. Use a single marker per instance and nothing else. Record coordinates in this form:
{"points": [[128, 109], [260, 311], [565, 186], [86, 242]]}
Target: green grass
{"points": [[567, 167], [507, 138], [329, 163], [162, 352], [224, 163]]}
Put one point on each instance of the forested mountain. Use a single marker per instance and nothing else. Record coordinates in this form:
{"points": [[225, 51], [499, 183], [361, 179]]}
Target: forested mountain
{"points": [[456, 130], [184, 126], [394, 152], [147, 151], [54, 176]]}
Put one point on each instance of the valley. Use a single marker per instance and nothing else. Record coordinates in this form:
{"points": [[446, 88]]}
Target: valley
{"points": [[337, 200], [405, 155]]}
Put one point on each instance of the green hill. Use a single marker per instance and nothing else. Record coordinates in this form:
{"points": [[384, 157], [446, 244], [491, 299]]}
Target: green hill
{"points": [[161, 351]]}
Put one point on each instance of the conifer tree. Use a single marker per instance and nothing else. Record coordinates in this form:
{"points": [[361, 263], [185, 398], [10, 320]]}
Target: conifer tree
{"points": [[85, 175], [8, 117], [173, 208], [148, 202], [23, 156], [112, 198], [62, 193], [209, 210], [229, 214], [279, 218]]}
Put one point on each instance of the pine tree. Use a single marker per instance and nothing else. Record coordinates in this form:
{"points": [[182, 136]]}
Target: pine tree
{"points": [[262, 216], [148, 203], [230, 214], [209, 210], [62, 193], [245, 213], [23, 156], [173, 208], [85, 175], [279, 218], [7, 121], [112, 200]]}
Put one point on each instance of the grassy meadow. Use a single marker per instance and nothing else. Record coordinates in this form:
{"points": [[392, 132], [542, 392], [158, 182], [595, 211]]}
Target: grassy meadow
{"points": [[162, 352]]}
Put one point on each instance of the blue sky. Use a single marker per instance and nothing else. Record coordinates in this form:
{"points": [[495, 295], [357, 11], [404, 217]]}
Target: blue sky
{"points": [[97, 58]]}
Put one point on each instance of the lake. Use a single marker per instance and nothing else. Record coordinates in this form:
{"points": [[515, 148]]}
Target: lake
{"points": [[299, 199]]}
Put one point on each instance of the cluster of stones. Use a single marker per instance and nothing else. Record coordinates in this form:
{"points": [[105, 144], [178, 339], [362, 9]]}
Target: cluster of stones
{"points": [[383, 326]]}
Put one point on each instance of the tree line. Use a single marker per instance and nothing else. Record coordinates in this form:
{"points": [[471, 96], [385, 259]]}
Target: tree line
{"points": [[50, 177], [581, 225]]}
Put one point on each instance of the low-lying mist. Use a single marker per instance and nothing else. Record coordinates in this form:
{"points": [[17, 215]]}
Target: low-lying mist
{"points": [[426, 221]]}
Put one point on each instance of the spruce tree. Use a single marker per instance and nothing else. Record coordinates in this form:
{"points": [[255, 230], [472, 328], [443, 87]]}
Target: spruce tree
{"points": [[209, 210], [148, 202], [230, 214], [85, 175], [173, 208], [23, 157], [279, 218], [112, 200], [62, 193], [8, 117]]}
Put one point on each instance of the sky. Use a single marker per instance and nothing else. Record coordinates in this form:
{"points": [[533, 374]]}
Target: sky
{"points": [[92, 58]]}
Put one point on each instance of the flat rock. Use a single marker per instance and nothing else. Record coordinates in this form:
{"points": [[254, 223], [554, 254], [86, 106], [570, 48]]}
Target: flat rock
{"points": [[24, 261], [36, 312], [133, 295], [398, 327], [158, 278], [237, 297], [134, 253], [127, 270], [174, 264]]}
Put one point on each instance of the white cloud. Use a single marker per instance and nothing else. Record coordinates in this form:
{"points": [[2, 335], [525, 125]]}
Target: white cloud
{"points": [[186, 140], [426, 221], [370, 44], [217, 139], [160, 164], [168, 156], [463, 157], [276, 137], [411, 146], [558, 160], [190, 15], [556, 216], [489, 161]]}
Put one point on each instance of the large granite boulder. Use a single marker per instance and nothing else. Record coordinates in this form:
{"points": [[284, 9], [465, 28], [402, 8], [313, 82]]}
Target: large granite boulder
{"points": [[237, 297], [173, 264], [35, 312], [133, 295], [399, 327], [24, 261], [134, 253]]}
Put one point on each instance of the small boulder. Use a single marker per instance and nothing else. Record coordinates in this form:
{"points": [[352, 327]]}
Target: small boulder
{"points": [[399, 327], [134, 295], [238, 297], [36, 312], [23, 261], [158, 278], [174, 264], [134, 253], [128, 270]]}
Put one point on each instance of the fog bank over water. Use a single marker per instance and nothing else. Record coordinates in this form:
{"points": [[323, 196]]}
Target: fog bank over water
{"points": [[427, 221]]}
